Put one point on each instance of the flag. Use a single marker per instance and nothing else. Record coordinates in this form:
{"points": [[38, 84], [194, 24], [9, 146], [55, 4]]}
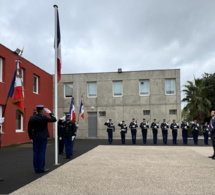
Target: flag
{"points": [[59, 61], [16, 92], [72, 110], [81, 111]]}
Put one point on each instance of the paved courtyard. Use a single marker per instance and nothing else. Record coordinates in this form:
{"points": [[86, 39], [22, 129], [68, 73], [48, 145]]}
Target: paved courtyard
{"points": [[128, 169]]}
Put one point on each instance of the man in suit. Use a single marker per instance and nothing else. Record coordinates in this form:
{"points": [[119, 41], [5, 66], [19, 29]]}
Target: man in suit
{"points": [[38, 134], [212, 132]]}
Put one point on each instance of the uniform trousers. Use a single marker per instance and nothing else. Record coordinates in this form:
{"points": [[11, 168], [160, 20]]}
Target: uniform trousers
{"points": [[144, 134], [195, 136], [68, 147], [165, 135], [123, 137], [133, 134], [213, 141], [174, 136], [155, 133], [110, 136], [206, 138], [184, 135], [39, 152], [61, 146]]}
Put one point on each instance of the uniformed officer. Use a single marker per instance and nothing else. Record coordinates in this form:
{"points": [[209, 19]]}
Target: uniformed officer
{"points": [[174, 126], [195, 128], [155, 127], [212, 132], [60, 136], [69, 129], [205, 132], [185, 127], [123, 131], [133, 126], [164, 129], [38, 134], [1, 121], [110, 130], [144, 126]]}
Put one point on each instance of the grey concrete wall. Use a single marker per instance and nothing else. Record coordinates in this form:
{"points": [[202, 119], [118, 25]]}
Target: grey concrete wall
{"points": [[130, 105]]}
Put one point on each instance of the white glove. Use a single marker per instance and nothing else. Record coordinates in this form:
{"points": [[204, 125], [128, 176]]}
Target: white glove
{"points": [[1, 120], [63, 118], [60, 138], [47, 110]]}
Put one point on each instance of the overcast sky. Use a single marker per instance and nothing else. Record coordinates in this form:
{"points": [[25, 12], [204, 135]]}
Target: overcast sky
{"points": [[104, 35]]}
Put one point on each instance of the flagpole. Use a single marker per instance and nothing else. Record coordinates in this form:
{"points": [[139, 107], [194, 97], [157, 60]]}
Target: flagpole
{"points": [[56, 103]]}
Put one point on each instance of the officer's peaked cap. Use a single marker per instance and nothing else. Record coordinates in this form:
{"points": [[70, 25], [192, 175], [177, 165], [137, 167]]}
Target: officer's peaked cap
{"points": [[133, 118], [123, 121], [144, 119], [68, 114], [155, 119], [40, 107]]}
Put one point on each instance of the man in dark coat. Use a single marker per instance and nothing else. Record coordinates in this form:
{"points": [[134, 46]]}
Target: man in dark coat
{"points": [[38, 134], [212, 132]]}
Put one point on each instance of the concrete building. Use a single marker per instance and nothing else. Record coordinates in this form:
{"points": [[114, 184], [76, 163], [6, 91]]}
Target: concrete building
{"points": [[121, 96], [37, 90]]}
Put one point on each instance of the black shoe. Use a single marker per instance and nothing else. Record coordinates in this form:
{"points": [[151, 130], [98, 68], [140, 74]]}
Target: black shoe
{"points": [[46, 170], [1, 179], [68, 157], [211, 156]]}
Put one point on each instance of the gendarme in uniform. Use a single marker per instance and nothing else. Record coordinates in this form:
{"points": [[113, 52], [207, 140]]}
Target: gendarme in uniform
{"points": [[38, 133]]}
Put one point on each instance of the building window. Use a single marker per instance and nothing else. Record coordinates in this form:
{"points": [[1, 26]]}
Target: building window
{"points": [[144, 87], [173, 112], [170, 86], [1, 69], [117, 88], [19, 122], [92, 89], [68, 89], [102, 113], [146, 112], [35, 84]]}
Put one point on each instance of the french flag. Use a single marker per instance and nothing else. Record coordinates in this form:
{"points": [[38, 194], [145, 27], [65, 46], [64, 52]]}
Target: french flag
{"points": [[81, 111], [58, 50], [16, 92], [72, 110]]}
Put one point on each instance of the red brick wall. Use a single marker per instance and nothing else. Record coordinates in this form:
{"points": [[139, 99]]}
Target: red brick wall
{"points": [[44, 96]]}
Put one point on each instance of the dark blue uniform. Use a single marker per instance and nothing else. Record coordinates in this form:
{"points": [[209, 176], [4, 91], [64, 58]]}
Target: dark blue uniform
{"points": [[144, 126], [212, 132], [60, 137], [123, 131], [110, 130], [205, 133], [164, 128], [185, 127], [155, 128], [133, 126], [174, 127], [195, 129], [38, 132], [69, 129]]}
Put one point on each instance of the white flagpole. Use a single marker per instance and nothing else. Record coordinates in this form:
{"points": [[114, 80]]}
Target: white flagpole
{"points": [[56, 103]]}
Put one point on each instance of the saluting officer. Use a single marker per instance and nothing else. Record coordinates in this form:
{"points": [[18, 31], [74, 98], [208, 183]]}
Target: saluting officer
{"points": [[110, 130], [174, 126], [69, 129], [185, 127], [205, 132], [123, 131], [195, 128], [133, 125], [144, 126], [38, 134], [164, 128], [155, 127]]}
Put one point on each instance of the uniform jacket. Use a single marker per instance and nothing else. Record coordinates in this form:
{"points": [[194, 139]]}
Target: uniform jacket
{"points": [[154, 126], [69, 129], [195, 127], [133, 125], [212, 125], [123, 127], [110, 126], [38, 126], [185, 126], [174, 126], [205, 128], [144, 126], [60, 130], [164, 126]]}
